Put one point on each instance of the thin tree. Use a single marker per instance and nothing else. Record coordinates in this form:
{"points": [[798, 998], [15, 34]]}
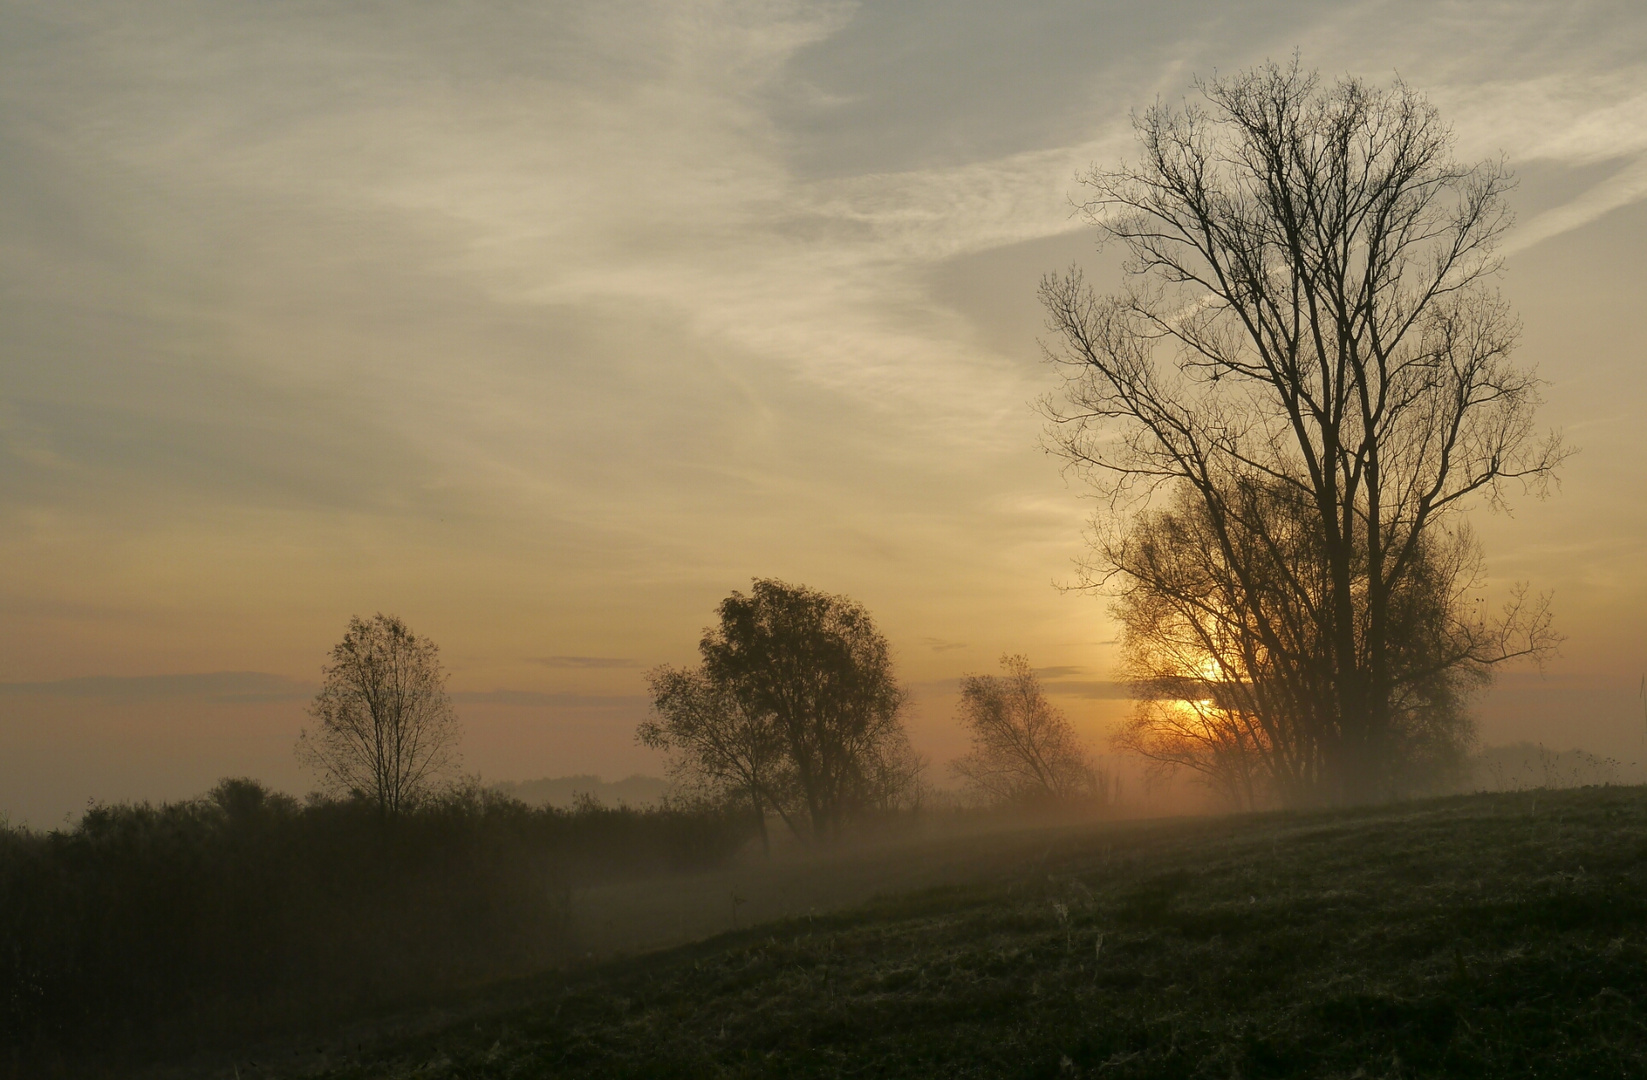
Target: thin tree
{"points": [[1024, 750], [722, 751], [1308, 326], [385, 728], [815, 668]]}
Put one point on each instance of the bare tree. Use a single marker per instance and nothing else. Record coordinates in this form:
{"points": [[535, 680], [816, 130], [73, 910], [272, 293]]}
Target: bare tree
{"points": [[1023, 749], [385, 726], [814, 667], [722, 750], [1308, 357], [1212, 696]]}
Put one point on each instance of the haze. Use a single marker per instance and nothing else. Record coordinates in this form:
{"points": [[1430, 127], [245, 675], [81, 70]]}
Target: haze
{"points": [[546, 326]]}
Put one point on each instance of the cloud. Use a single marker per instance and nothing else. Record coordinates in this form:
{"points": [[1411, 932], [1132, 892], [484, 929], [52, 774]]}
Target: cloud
{"points": [[1518, 681], [766, 182], [1093, 689], [1628, 185], [217, 687], [1056, 685], [940, 645]]}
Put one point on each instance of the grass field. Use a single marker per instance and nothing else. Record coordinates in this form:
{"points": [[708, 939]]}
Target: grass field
{"points": [[1494, 935]]}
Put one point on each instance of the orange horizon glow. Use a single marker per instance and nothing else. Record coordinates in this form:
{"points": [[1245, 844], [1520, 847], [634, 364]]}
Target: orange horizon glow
{"points": [[547, 330]]}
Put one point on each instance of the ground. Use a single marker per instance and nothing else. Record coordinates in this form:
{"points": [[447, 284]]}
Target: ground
{"points": [[1496, 935]]}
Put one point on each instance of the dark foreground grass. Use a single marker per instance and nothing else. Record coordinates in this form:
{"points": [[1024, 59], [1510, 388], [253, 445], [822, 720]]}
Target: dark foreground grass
{"points": [[1491, 935]]}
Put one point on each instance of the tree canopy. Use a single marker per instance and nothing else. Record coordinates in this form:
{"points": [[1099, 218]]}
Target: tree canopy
{"points": [[795, 704]]}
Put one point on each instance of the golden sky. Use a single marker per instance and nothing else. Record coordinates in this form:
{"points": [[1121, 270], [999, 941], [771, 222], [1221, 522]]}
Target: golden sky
{"points": [[544, 326]]}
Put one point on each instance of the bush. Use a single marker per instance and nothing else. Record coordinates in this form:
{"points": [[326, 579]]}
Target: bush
{"points": [[244, 911]]}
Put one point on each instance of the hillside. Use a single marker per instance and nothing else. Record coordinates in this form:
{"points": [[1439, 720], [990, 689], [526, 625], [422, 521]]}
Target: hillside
{"points": [[1490, 935]]}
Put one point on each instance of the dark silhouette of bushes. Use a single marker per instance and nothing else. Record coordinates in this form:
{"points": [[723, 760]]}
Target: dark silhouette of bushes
{"points": [[245, 911]]}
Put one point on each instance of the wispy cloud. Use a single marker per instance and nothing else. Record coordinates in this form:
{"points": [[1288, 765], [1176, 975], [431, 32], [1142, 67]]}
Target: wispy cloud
{"points": [[255, 687], [1628, 185], [576, 163], [942, 645]]}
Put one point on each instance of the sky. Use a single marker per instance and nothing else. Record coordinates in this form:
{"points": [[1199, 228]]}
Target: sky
{"points": [[547, 325]]}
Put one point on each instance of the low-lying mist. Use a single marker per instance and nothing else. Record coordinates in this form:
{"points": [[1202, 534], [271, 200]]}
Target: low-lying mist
{"points": [[246, 913]]}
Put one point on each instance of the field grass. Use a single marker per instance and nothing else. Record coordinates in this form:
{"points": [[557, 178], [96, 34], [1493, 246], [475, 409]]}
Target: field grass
{"points": [[1497, 935]]}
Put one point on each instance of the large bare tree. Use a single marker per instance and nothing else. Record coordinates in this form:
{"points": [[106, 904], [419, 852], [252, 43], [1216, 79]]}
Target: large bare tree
{"points": [[385, 729], [1309, 359]]}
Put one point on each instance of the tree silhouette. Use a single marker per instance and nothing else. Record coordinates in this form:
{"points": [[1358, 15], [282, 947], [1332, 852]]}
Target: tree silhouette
{"points": [[723, 752], [385, 726], [1215, 697], [1309, 360], [812, 668], [1023, 749]]}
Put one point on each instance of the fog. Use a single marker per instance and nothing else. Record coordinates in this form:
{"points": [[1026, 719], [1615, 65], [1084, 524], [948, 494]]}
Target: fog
{"points": [[712, 395]]}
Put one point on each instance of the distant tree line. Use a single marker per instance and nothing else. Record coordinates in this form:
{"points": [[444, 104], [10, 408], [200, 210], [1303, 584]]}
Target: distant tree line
{"points": [[246, 911]]}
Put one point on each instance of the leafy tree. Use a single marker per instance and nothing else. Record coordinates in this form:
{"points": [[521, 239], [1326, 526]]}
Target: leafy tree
{"points": [[1308, 357], [812, 669], [385, 729], [723, 752], [1024, 750]]}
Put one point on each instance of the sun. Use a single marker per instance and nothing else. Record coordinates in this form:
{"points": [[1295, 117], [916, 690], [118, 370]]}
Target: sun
{"points": [[1210, 670]]}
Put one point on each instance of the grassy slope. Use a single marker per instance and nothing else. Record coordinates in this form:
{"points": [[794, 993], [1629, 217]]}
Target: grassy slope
{"points": [[1493, 935]]}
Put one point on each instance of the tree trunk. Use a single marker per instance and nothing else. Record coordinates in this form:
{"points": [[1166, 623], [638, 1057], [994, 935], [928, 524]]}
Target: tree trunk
{"points": [[760, 821]]}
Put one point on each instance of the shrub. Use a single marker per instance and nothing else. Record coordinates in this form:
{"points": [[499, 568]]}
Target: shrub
{"points": [[244, 910]]}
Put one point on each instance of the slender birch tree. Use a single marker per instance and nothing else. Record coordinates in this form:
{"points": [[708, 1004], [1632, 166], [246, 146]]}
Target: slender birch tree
{"points": [[384, 725]]}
